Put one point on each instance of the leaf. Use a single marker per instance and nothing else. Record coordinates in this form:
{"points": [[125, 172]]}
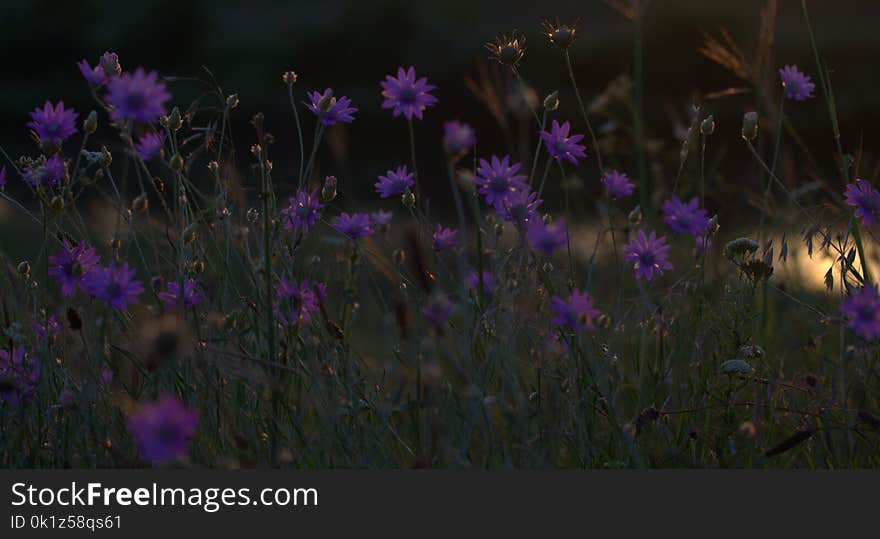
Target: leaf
{"points": [[791, 442], [829, 279]]}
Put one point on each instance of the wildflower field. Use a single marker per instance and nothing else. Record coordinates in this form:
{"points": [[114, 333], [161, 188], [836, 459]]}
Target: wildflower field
{"points": [[582, 296]]}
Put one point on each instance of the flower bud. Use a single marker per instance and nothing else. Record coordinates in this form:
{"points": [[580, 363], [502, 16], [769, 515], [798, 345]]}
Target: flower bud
{"points": [[190, 234], [253, 215], [408, 198], [106, 156], [110, 64], [56, 205], [635, 216], [213, 166], [289, 77], [90, 124], [707, 127], [157, 283], [551, 102], [173, 121], [232, 101], [328, 193], [177, 162], [750, 126], [24, 268]]}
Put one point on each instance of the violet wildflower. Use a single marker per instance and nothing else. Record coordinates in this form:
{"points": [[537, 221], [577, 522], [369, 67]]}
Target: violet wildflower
{"points": [[53, 124], [356, 225], [71, 265], [648, 255], [114, 285], [684, 218], [576, 313], [617, 184], [865, 199], [138, 96], [295, 303], [798, 86], [303, 212], [149, 145], [47, 174], [458, 137], [519, 207], [546, 238], [497, 179], [473, 281], [560, 145], [861, 310], [407, 95], [21, 372], [437, 312], [395, 182], [381, 218], [94, 75], [2, 178], [163, 429], [444, 239], [106, 377], [191, 295], [330, 110]]}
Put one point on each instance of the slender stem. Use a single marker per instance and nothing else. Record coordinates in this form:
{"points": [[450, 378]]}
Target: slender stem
{"points": [[537, 150], [767, 189], [523, 86], [298, 132], [412, 153], [319, 132], [580, 101], [638, 120]]}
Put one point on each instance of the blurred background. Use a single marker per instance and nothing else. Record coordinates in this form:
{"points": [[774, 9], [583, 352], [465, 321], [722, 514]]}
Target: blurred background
{"points": [[351, 45]]}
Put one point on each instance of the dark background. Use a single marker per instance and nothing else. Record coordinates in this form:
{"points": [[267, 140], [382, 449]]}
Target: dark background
{"points": [[351, 45]]}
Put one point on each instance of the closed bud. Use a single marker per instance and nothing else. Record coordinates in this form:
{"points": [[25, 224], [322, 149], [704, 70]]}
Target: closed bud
{"points": [[635, 216], [157, 283], [750, 126], [190, 233], [110, 64], [160, 184], [106, 156], [289, 77], [56, 205], [328, 193], [408, 198], [707, 127], [177, 162], [24, 268], [174, 121], [90, 124], [213, 166], [197, 267], [685, 148], [399, 257], [232, 101], [140, 203], [551, 102]]}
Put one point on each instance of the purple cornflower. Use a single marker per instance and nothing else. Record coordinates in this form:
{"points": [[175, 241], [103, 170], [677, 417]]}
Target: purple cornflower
{"points": [[330, 110], [406, 95], [458, 137], [191, 295], [546, 238], [163, 429], [2, 178], [114, 285], [648, 255], [473, 281], [295, 303], [94, 75], [437, 312], [861, 310], [798, 86], [560, 145], [149, 145], [444, 239], [684, 218], [497, 179], [395, 182], [381, 218], [303, 212], [48, 174], [71, 266], [865, 199], [138, 96], [576, 312], [53, 124], [519, 207], [356, 225], [22, 373], [617, 184]]}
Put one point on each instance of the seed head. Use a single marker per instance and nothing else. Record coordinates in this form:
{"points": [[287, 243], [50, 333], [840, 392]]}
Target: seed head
{"points": [[563, 35], [551, 102], [750, 126], [507, 50], [289, 77], [328, 193], [232, 101]]}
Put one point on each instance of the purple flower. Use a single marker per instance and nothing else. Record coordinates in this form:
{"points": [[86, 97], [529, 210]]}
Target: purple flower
{"points": [[149, 145], [473, 281], [560, 145], [330, 110], [303, 212], [797, 85], [519, 207], [48, 174], [861, 310], [865, 199], [71, 266], [437, 312], [576, 312], [53, 124], [444, 239], [546, 238], [2, 178], [684, 218], [617, 184], [458, 137], [394, 182], [406, 95], [106, 377], [94, 76], [163, 429], [295, 303], [191, 296], [498, 179], [139, 96], [381, 218], [21, 374], [356, 225], [648, 255], [114, 285]]}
